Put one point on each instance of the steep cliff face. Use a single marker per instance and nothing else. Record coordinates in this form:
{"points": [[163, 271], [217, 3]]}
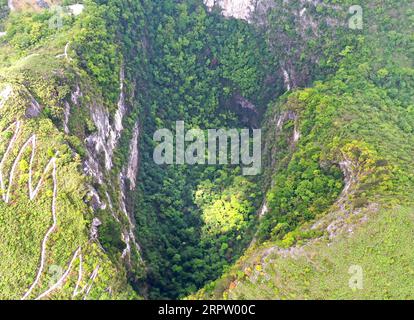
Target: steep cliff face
{"points": [[58, 141], [45, 207], [300, 29]]}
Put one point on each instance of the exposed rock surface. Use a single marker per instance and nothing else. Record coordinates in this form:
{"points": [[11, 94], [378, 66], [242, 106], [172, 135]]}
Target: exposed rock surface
{"points": [[10, 4], [107, 135], [34, 108], [76, 9], [94, 233], [240, 9], [5, 95], [132, 169]]}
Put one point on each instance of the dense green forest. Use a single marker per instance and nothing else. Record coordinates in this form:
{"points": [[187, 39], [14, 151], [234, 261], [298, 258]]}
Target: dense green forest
{"points": [[87, 92], [198, 62], [350, 165]]}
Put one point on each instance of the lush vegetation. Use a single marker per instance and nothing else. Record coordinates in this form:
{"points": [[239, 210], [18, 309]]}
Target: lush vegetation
{"points": [[53, 229], [195, 220], [355, 126], [321, 271], [337, 155]]}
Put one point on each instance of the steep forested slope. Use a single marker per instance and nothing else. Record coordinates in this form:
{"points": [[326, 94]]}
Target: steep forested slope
{"points": [[339, 159], [106, 80], [64, 93], [199, 63]]}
